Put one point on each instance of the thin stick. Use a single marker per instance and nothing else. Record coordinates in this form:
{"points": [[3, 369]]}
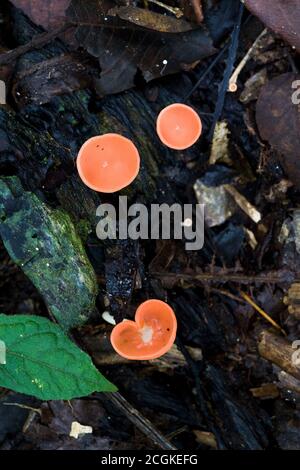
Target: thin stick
{"points": [[198, 10], [142, 423], [229, 67], [262, 312], [25, 407], [269, 278], [207, 71], [243, 203], [232, 87], [37, 42], [227, 294], [175, 10]]}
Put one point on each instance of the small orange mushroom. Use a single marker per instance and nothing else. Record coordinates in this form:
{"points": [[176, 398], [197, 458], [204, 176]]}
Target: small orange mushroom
{"points": [[108, 163], [178, 126], [150, 336]]}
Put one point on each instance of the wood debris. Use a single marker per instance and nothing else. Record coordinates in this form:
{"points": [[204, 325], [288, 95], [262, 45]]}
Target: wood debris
{"points": [[243, 203], [292, 299], [279, 351], [220, 144], [78, 430], [265, 391]]}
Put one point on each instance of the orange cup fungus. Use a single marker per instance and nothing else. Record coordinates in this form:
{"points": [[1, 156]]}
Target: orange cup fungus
{"points": [[178, 126], [150, 336], [108, 163]]}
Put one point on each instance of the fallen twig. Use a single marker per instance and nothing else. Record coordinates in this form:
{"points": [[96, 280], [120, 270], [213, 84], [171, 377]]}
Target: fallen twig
{"points": [[227, 294], [279, 351], [243, 203], [174, 10], [262, 312], [268, 278], [142, 423], [24, 407], [229, 67], [198, 10], [37, 42], [207, 71], [232, 82]]}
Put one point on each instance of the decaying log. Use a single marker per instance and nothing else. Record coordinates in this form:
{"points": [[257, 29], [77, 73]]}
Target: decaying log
{"points": [[40, 143], [44, 243], [239, 422], [288, 382], [278, 350]]}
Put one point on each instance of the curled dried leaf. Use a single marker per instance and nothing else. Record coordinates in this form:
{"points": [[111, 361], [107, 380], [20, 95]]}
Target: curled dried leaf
{"points": [[278, 121], [126, 46], [46, 13], [283, 17], [151, 20]]}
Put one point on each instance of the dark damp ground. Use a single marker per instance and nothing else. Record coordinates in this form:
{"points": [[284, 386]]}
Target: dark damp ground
{"points": [[216, 391]]}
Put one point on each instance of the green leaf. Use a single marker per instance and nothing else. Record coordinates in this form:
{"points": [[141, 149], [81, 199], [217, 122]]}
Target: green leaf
{"points": [[42, 361]]}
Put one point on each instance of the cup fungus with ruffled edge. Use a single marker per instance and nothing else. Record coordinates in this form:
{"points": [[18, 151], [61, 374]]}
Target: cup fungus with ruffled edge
{"points": [[150, 336], [178, 126], [108, 163]]}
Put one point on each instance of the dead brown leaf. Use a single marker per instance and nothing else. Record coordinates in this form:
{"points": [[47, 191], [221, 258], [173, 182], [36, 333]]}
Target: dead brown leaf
{"points": [[278, 120], [151, 20], [193, 10], [283, 17], [123, 48], [46, 13], [63, 74]]}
